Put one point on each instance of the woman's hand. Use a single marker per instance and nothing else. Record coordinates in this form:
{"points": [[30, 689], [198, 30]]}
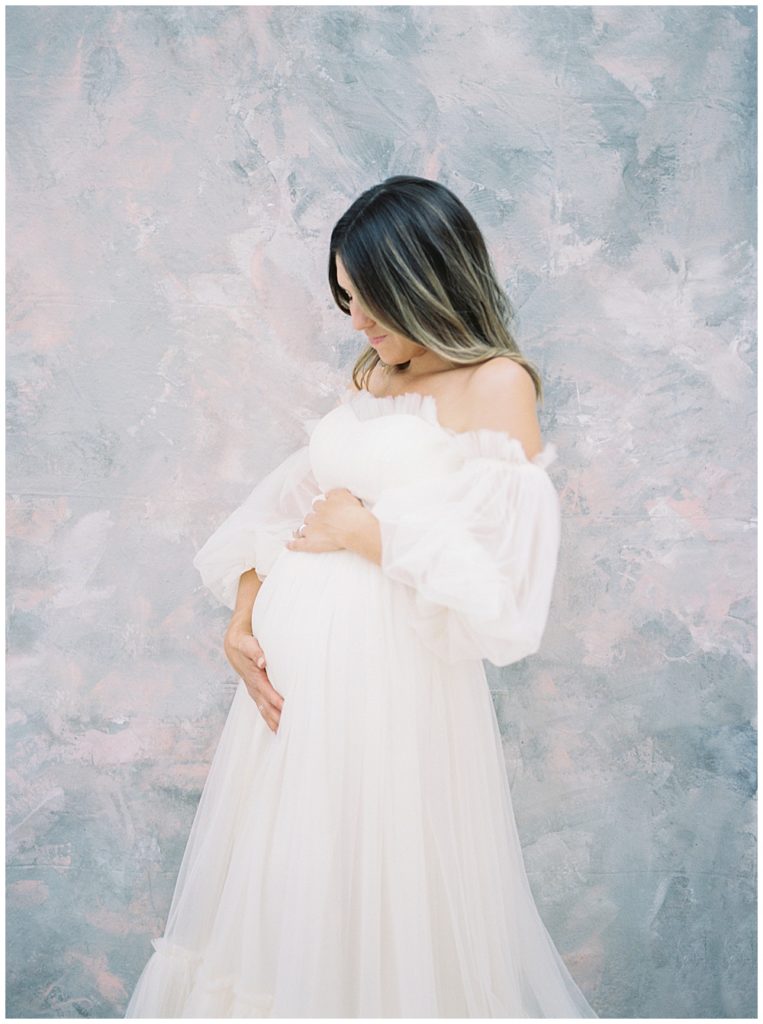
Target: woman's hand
{"points": [[331, 523], [248, 660]]}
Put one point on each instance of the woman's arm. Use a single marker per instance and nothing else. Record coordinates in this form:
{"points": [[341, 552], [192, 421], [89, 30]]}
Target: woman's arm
{"points": [[245, 654], [248, 587], [363, 535], [339, 521]]}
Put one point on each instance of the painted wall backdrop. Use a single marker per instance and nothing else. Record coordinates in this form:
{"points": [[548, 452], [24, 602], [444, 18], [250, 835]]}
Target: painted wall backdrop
{"points": [[173, 174]]}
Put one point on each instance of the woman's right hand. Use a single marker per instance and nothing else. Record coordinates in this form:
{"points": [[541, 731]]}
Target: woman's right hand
{"points": [[248, 660]]}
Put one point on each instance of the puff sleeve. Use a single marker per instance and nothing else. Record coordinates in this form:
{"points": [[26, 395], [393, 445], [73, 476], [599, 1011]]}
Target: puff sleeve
{"points": [[478, 549], [255, 533]]}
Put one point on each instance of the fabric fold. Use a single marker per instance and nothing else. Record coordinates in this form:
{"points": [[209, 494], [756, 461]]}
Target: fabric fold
{"points": [[476, 544], [178, 982], [254, 534], [478, 548], [364, 861]]}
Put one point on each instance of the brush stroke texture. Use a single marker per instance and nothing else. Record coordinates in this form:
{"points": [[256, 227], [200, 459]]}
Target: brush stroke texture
{"points": [[173, 175]]}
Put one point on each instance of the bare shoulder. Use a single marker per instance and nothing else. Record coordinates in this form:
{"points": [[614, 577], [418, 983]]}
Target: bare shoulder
{"points": [[500, 395], [501, 376]]}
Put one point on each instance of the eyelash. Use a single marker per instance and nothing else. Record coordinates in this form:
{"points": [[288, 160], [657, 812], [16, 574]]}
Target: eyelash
{"points": [[346, 295]]}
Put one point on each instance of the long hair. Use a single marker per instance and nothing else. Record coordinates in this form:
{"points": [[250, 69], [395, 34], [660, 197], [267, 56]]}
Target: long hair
{"points": [[420, 266]]}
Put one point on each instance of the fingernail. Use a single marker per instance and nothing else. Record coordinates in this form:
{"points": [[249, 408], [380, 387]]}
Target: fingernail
{"points": [[260, 662]]}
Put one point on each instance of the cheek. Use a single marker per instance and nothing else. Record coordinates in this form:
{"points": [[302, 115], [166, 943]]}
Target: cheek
{"points": [[405, 346]]}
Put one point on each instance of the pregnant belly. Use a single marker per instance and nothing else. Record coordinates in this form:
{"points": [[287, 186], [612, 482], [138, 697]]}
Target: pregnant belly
{"points": [[369, 715], [321, 612], [341, 651]]}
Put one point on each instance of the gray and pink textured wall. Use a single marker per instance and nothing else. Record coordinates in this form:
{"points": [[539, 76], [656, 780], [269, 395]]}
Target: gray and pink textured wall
{"points": [[173, 175]]}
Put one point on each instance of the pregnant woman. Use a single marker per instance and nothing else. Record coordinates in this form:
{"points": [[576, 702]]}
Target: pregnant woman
{"points": [[354, 852]]}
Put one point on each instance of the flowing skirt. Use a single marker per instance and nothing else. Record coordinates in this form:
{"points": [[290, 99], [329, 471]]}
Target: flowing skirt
{"points": [[363, 861]]}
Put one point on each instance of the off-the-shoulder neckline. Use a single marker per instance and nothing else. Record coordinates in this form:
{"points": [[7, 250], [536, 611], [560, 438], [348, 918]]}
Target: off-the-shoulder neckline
{"points": [[482, 441]]}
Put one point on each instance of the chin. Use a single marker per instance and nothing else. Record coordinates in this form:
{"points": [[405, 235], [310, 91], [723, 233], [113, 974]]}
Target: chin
{"points": [[395, 359]]}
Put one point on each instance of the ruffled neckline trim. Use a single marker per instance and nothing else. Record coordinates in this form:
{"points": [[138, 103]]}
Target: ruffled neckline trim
{"points": [[483, 442]]}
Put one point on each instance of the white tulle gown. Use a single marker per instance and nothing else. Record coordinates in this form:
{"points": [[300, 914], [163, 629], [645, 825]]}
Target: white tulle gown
{"points": [[364, 861]]}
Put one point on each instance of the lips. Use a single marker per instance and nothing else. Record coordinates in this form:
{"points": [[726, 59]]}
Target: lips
{"points": [[375, 341]]}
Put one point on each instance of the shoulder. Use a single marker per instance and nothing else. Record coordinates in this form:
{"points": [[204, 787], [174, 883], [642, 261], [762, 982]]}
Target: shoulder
{"points": [[501, 375], [500, 395]]}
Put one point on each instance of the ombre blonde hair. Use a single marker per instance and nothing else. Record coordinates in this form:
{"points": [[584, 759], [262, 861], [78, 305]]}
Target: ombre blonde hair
{"points": [[420, 266]]}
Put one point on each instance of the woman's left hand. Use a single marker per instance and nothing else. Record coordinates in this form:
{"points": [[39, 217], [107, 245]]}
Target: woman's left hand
{"points": [[331, 522]]}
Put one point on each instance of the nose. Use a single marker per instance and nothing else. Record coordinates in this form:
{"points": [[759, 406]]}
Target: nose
{"points": [[360, 319]]}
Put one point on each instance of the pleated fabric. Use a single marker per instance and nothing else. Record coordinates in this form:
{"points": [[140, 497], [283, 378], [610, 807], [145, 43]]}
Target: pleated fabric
{"points": [[364, 860]]}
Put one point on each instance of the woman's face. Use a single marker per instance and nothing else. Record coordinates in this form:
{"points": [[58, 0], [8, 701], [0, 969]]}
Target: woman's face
{"points": [[392, 348]]}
